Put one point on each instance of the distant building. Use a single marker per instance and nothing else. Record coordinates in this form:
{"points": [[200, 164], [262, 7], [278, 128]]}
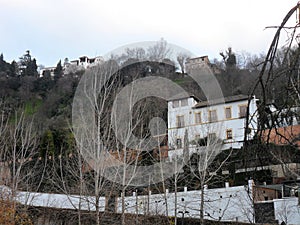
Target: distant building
{"points": [[82, 63], [287, 135], [85, 62], [193, 63], [204, 123], [49, 70], [277, 203], [282, 127]]}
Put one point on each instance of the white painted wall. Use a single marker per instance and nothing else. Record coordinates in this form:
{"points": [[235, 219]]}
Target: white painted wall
{"points": [[287, 210], [234, 205], [226, 204], [60, 201]]}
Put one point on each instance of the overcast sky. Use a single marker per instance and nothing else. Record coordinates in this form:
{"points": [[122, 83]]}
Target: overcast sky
{"points": [[56, 29]]}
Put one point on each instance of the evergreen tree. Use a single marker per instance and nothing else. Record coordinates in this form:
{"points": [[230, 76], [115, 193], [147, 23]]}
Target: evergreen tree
{"points": [[47, 144], [13, 68], [2, 64], [4, 67], [1, 58], [229, 59], [31, 69], [27, 65], [58, 71]]}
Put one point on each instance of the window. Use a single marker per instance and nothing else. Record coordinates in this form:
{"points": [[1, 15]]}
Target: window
{"points": [[179, 143], [212, 116], [229, 134], [228, 112], [175, 103], [198, 117], [180, 103], [180, 121], [184, 102], [243, 111]]}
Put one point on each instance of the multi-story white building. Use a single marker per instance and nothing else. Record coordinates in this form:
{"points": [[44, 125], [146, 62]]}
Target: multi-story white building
{"points": [[223, 122]]}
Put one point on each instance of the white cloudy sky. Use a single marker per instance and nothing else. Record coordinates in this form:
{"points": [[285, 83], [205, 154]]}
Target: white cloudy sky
{"points": [[55, 29]]}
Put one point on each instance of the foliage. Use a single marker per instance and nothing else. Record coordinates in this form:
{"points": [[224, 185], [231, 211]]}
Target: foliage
{"points": [[31, 107], [27, 65], [58, 71], [56, 142], [229, 59], [9, 212], [6, 69]]}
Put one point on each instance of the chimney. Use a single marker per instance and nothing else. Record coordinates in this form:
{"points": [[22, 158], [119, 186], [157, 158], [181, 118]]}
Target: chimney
{"points": [[226, 184]]}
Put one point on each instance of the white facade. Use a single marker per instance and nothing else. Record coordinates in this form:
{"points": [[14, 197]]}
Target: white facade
{"points": [[50, 69], [224, 122], [224, 204], [86, 62], [283, 117], [82, 63], [287, 210]]}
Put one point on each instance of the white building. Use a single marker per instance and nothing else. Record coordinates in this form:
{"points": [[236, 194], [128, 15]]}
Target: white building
{"points": [[86, 62], [206, 122], [50, 69], [282, 117]]}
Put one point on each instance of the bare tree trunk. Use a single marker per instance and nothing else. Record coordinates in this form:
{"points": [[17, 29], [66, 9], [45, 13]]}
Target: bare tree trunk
{"points": [[97, 195], [81, 188], [123, 206], [202, 221], [97, 211], [175, 194]]}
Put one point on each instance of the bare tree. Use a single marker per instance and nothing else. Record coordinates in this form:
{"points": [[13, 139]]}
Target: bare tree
{"points": [[136, 53], [181, 59], [3, 127], [159, 51], [91, 124], [277, 83], [179, 162], [111, 153], [19, 149]]}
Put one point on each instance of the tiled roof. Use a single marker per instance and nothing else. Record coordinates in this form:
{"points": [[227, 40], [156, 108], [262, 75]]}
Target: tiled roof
{"points": [[228, 99], [182, 96]]}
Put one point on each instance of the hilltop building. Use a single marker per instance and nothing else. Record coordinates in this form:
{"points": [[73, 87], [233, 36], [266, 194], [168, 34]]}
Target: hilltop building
{"points": [[86, 62], [193, 63], [82, 63], [49, 69]]}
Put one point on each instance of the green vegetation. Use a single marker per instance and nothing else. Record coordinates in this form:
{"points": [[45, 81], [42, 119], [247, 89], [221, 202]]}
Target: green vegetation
{"points": [[179, 81], [31, 107]]}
